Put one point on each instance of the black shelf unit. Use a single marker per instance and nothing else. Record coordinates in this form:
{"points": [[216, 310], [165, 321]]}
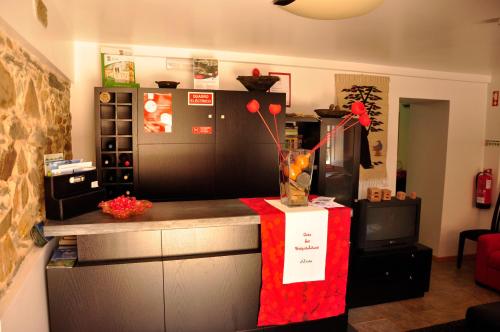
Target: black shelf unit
{"points": [[336, 164], [388, 275], [115, 139]]}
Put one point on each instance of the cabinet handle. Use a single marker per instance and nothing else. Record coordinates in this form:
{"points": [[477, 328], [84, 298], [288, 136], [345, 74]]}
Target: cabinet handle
{"points": [[222, 116], [210, 116]]}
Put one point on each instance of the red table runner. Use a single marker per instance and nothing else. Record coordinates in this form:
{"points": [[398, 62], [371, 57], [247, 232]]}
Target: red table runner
{"points": [[283, 304]]}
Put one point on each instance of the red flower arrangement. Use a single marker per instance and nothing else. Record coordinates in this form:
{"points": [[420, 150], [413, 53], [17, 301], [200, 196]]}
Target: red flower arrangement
{"points": [[296, 166], [123, 207]]}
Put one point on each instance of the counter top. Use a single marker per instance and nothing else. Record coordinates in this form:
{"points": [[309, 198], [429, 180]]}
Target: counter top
{"points": [[163, 215]]}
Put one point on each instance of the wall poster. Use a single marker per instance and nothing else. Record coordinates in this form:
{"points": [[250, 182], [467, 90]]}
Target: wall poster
{"points": [[373, 92], [158, 112], [206, 74]]}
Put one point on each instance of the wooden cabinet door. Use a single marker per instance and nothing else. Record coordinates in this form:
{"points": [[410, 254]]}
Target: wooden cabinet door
{"points": [[212, 294], [236, 125], [246, 156], [107, 298], [176, 171]]}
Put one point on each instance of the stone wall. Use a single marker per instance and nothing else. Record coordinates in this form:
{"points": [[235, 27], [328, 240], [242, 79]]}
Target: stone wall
{"points": [[34, 120]]}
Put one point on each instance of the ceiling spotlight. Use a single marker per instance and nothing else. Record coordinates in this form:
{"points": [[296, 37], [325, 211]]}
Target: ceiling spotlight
{"points": [[328, 9]]}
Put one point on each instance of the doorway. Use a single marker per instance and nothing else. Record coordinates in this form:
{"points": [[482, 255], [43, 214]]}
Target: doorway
{"points": [[422, 148]]}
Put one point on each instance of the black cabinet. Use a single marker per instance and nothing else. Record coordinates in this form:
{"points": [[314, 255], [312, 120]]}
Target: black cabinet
{"points": [[388, 275], [215, 151], [198, 298], [110, 298], [336, 162], [339, 162], [166, 144], [246, 156], [115, 118]]}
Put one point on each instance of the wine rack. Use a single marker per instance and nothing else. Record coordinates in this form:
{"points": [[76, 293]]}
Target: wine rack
{"points": [[115, 139]]}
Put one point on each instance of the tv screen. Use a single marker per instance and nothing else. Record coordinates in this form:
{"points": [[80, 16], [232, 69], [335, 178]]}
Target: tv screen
{"points": [[390, 223], [385, 224]]}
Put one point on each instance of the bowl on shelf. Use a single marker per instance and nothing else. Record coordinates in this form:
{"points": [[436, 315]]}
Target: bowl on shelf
{"points": [[167, 84], [332, 112], [258, 83]]}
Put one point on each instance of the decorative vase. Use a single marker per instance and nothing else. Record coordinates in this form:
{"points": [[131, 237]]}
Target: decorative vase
{"points": [[295, 172]]}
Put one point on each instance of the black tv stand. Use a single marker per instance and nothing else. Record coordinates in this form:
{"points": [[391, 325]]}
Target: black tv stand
{"points": [[386, 275]]}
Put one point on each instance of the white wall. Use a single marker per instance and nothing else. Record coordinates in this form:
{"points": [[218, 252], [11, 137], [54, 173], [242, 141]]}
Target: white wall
{"points": [[23, 307], [403, 135], [426, 164], [313, 87], [492, 153], [54, 42]]}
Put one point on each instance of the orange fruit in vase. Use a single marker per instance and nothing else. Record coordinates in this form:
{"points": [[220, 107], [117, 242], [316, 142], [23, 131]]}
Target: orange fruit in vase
{"points": [[284, 168], [294, 172], [302, 161]]}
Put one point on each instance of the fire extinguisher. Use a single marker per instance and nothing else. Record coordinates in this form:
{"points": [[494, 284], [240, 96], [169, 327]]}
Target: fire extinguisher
{"points": [[483, 189]]}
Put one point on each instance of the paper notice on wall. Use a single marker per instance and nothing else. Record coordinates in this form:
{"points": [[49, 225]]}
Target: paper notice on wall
{"points": [[158, 113], [206, 74], [306, 235]]}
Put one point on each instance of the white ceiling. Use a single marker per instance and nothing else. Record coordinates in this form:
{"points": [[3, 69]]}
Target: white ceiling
{"points": [[442, 35]]}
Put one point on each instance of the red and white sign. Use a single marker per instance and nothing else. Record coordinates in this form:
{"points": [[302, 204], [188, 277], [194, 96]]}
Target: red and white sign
{"points": [[201, 98], [494, 101], [201, 130]]}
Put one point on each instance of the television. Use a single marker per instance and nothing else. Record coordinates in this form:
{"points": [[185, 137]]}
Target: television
{"points": [[386, 224]]}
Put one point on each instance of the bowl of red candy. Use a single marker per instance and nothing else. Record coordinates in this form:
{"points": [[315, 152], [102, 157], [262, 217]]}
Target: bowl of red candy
{"points": [[123, 207]]}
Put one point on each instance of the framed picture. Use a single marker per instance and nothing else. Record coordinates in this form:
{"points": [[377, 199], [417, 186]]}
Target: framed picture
{"points": [[283, 85]]}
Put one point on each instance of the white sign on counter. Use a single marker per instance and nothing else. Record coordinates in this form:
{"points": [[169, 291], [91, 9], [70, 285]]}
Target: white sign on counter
{"points": [[306, 236]]}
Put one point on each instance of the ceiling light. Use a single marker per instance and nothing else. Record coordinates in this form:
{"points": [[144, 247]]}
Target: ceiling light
{"points": [[328, 9]]}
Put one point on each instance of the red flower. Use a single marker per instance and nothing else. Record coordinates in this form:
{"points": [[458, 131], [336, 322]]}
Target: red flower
{"points": [[253, 106], [274, 109], [364, 120], [358, 108]]}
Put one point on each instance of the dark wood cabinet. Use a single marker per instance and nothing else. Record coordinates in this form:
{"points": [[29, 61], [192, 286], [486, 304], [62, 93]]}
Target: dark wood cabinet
{"points": [[107, 298], [388, 275], [236, 157], [339, 162], [246, 156], [175, 171], [219, 150], [222, 295], [115, 119]]}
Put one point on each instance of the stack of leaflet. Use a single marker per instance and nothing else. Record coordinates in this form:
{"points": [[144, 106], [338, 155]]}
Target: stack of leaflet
{"points": [[63, 257], [56, 165], [71, 187]]}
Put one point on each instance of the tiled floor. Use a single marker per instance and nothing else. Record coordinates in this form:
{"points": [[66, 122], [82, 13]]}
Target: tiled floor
{"points": [[451, 292]]}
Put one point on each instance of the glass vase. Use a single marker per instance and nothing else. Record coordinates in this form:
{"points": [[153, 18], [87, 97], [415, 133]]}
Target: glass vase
{"points": [[295, 172]]}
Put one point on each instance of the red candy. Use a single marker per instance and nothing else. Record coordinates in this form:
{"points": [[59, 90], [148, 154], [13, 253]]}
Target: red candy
{"points": [[123, 207]]}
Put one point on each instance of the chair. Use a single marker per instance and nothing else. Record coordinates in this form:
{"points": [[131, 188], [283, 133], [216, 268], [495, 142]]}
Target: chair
{"points": [[488, 261], [474, 234]]}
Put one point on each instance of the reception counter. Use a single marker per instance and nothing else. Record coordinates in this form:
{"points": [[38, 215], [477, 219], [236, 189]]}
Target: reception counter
{"points": [[181, 266]]}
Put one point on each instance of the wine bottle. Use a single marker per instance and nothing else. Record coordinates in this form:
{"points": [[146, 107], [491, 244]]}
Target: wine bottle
{"points": [[106, 161], [126, 177], [110, 146], [125, 160], [111, 178]]}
